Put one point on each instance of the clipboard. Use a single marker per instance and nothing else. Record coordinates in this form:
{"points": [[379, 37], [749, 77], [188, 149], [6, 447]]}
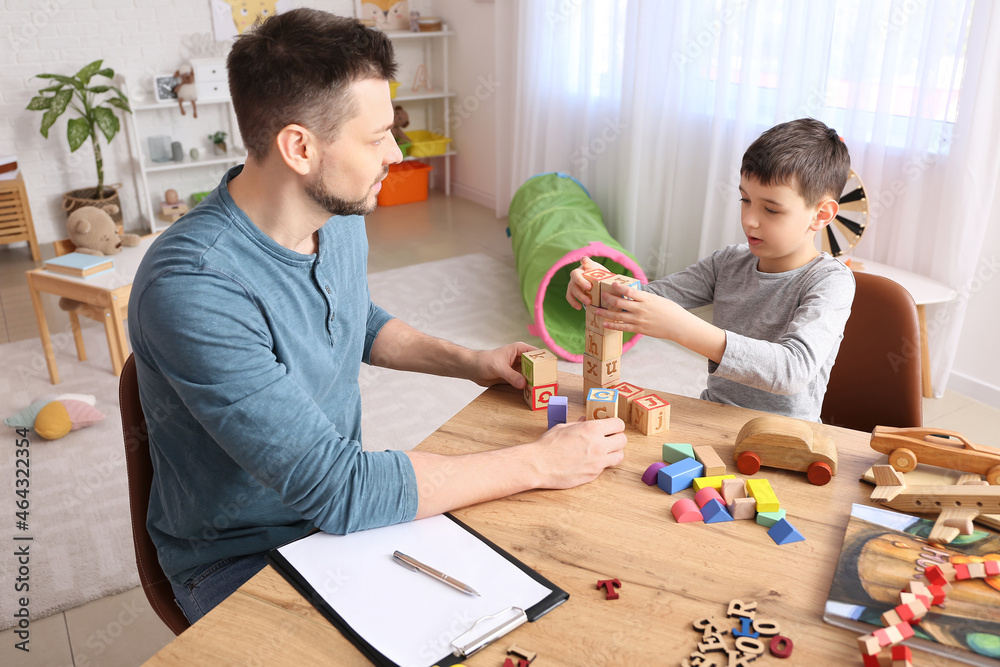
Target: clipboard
{"points": [[352, 581]]}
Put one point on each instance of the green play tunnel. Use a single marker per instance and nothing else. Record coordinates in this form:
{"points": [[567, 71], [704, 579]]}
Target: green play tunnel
{"points": [[553, 225]]}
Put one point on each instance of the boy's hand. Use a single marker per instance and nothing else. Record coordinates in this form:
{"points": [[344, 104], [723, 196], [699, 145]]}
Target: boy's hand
{"points": [[648, 314], [576, 292]]}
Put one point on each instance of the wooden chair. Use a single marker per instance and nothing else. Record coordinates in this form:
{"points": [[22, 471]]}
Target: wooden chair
{"points": [[876, 379], [96, 313], [139, 466]]}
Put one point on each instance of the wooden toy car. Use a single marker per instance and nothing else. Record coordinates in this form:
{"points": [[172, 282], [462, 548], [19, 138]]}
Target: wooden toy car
{"points": [[789, 444], [936, 447]]}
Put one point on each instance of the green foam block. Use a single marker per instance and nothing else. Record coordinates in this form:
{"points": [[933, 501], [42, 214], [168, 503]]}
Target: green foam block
{"points": [[674, 452], [768, 519]]}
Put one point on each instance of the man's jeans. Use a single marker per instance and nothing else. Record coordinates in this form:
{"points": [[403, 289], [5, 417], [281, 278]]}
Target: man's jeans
{"points": [[213, 583]]}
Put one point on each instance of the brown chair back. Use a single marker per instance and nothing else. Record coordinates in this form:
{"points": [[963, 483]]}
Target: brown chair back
{"points": [[876, 379], [155, 584]]}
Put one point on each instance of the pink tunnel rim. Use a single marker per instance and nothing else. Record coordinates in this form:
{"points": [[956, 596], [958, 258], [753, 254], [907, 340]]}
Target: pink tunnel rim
{"points": [[592, 249]]}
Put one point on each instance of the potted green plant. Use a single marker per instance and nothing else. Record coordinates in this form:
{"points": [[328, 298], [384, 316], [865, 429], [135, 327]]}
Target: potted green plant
{"points": [[219, 139], [94, 105]]}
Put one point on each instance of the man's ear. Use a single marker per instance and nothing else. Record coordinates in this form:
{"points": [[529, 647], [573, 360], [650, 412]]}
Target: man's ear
{"points": [[299, 148], [825, 214]]}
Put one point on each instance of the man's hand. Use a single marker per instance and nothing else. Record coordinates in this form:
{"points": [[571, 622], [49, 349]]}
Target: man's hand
{"points": [[576, 291], [569, 455], [503, 364]]}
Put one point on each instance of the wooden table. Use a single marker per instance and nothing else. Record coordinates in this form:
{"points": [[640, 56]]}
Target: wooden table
{"points": [[614, 527], [108, 291], [925, 291]]}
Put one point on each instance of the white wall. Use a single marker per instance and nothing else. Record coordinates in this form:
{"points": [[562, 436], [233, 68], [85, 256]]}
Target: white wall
{"points": [[473, 110], [976, 372]]}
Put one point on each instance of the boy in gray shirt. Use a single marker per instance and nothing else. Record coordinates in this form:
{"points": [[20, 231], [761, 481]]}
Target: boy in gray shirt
{"points": [[780, 305]]}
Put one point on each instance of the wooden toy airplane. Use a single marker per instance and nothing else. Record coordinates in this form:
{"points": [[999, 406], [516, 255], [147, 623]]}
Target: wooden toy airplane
{"points": [[956, 505]]}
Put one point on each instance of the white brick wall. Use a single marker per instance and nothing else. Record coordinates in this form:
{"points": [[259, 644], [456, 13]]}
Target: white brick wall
{"points": [[137, 38]]}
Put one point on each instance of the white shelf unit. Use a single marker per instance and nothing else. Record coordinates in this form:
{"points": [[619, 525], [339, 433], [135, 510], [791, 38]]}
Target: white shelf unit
{"points": [[433, 103], [164, 118]]}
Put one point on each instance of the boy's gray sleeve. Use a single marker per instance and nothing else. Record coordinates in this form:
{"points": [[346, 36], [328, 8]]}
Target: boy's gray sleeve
{"points": [[788, 365], [692, 287]]}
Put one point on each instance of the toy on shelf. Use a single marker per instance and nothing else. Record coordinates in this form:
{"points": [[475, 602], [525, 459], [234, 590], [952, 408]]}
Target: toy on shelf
{"points": [[400, 119], [218, 140], [936, 447], [786, 443], [186, 91], [171, 208]]}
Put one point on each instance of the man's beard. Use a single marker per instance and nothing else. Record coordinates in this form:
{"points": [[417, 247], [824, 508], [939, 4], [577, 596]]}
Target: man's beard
{"points": [[335, 205]]}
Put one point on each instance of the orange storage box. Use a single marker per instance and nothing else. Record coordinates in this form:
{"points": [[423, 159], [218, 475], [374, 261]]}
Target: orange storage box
{"points": [[406, 183]]}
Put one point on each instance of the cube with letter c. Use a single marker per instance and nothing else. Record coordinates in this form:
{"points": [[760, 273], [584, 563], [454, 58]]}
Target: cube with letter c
{"points": [[602, 403]]}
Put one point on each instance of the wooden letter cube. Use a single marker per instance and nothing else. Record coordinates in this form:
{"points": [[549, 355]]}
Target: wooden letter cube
{"points": [[604, 372], [607, 287], [650, 414], [540, 367], [603, 346], [626, 392], [594, 322], [595, 276], [538, 397], [602, 403]]}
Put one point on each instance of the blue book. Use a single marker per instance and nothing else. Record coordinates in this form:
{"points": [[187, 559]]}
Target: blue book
{"points": [[79, 264]]}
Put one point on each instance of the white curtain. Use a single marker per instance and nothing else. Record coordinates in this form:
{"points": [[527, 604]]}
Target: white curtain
{"points": [[651, 105]]}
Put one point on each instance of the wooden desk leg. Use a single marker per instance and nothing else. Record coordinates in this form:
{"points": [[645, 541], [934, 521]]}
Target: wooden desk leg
{"points": [[114, 348], [120, 353], [925, 354], [74, 325], [43, 331]]}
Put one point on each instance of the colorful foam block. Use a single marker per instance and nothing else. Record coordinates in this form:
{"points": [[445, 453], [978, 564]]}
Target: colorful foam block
{"points": [[678, 476], [702, 496], [602, 403], [768, 519], [558, 409], [760, 490], [676, 451], [540, 367], [783, 532], [649, 477], [714, 465], [715, 512], [686, 511], [715, 481]]}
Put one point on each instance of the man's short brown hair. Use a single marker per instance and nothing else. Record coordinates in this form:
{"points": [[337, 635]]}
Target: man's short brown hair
{"points": [[296, 67], [804, 154]]}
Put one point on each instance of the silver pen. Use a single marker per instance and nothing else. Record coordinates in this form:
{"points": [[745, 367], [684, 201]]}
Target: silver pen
{"points": [[414, 564]]}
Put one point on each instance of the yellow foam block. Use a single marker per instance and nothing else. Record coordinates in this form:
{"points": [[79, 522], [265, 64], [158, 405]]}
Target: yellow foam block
{"points": [[760, 490], [715, 482]]}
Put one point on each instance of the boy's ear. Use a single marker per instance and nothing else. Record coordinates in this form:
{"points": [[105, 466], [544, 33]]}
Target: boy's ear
{"points": [[825, 214]]}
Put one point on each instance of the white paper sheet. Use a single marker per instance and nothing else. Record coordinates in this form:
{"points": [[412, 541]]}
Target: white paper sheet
{"points": [[408, 616]]}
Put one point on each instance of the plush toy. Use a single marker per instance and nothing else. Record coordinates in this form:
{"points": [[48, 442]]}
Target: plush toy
{"points": [[52, 417], [93, 232], [186, 91], [400, 119]]}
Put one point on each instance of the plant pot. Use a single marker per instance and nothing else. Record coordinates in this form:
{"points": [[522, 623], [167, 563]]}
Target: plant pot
{"points": [[84, 197], [220, 147]]}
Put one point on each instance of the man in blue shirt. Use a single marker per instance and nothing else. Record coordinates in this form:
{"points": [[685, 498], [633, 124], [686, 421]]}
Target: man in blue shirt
{"points": [[250, 318]]}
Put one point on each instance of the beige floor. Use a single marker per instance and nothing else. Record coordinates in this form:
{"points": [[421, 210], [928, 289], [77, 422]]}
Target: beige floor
{"points": [[122, 629]]}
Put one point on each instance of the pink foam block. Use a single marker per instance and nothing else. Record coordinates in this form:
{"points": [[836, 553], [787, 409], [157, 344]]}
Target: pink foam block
{"points": [[649, 477], [685, 511], [708, 493]]}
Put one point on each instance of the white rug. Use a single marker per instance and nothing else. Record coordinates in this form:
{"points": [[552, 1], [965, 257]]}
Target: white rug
{"points": [[79, 516]]}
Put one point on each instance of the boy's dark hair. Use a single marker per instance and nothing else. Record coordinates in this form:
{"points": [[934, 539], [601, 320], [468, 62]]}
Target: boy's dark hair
{"points": [[296, 67], [804, 154]]}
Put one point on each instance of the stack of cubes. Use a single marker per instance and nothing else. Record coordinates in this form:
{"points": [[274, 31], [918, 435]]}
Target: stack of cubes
{"points": [[540, 369]]}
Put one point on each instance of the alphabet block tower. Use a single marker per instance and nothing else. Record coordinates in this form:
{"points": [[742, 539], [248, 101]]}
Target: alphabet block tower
{"points": [[602, 347], [540, 369]]}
